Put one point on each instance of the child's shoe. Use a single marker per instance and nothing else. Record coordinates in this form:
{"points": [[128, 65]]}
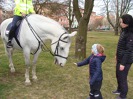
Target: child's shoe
{"points": [[116, 92]]}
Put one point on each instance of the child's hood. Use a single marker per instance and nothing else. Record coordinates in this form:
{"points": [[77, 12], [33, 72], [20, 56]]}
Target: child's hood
{"points": [[102, 58]]}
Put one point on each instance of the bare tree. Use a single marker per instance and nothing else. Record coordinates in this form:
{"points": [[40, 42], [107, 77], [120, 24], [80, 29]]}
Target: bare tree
{"points": [[38, 7], [43, 7], [118, 7], [97, 22], [68, 12], [83, 20]]}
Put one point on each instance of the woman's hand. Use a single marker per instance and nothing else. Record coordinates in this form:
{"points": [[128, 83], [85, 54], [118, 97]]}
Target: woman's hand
{"points": [[121, 67]]}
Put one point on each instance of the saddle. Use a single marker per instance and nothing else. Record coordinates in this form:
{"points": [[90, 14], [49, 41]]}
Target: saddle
{"points": [[16, 32]]}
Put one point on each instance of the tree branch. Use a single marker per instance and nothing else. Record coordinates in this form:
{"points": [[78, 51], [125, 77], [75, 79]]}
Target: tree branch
{"points": [[76, 10]]}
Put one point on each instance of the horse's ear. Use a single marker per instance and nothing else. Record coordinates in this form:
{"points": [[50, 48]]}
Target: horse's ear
{"points": [[73, 34]]}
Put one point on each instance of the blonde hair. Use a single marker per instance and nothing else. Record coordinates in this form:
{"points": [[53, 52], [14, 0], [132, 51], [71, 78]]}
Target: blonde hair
{"points": [[100, 48]]}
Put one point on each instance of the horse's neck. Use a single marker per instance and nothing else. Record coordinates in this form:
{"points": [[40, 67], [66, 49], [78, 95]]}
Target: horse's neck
{"points": [[48, 35], [45, 27]]}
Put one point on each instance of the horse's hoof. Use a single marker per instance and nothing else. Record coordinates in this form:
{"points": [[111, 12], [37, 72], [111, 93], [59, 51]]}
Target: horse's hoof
{"points": [[27, 83], [34, 80], [12, 70]]}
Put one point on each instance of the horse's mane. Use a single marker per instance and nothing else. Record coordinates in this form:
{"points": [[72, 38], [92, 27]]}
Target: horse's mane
{"points": [[46, 20]]}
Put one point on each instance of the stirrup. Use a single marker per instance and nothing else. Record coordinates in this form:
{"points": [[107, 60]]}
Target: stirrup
{"points": [[9, 45]]}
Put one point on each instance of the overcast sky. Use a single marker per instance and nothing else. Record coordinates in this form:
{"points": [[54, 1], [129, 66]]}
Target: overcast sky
{"points": [[98, 4], [8, 4]]}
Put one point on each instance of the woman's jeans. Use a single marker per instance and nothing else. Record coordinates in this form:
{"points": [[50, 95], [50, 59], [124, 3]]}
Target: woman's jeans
{"points": [[122, 79], [15, 22]]}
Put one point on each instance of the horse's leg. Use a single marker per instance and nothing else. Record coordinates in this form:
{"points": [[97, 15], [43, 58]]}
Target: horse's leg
{"points": [[27, 63], [9, 52], [34, 77]]}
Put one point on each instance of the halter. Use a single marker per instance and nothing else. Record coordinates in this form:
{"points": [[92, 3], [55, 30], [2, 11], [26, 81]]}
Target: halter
{"points": [[43, 44]]}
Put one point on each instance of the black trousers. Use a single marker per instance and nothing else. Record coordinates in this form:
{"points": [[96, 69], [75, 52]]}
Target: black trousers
{"points": [[122, 79], [15, 22], [95, 92]]}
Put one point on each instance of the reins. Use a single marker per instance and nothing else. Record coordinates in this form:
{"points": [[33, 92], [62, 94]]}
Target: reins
{"points": [[39, 40]]}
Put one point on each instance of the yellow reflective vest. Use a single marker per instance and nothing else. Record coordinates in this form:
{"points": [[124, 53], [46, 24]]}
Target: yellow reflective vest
{"points": [[23, 6]]}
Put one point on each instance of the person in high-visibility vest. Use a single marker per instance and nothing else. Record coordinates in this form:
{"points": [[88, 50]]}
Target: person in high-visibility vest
{"points": [[22, 8]]}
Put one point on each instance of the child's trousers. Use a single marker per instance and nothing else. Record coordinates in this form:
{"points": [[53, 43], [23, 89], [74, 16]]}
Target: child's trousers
{"points": [[95, 92]]}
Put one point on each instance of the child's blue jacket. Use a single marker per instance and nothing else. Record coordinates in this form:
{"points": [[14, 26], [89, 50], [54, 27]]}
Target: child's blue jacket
{"points": [[95, 67]]}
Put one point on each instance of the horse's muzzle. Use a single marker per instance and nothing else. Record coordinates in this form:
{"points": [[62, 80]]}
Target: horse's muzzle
{"points": [[57, 62]]}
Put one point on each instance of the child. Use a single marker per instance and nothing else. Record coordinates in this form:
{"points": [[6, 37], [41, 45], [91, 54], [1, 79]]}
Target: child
{"points": [[95, 69]]}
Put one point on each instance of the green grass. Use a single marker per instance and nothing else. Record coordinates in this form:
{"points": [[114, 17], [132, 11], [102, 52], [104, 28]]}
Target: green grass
{"points": [[54, 82]]}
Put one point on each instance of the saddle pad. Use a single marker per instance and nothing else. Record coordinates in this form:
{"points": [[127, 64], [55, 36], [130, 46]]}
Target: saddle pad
{"points": [[9, 28]]}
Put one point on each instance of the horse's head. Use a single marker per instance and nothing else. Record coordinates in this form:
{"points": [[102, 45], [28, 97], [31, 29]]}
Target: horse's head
{"points": [[60, 48]]}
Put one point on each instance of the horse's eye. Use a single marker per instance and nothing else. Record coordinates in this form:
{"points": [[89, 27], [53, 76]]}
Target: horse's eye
{"points": [[62, 48]]}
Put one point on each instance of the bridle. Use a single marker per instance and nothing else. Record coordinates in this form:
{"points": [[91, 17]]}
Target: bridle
{"points": [[56, 49], [43, 45]]}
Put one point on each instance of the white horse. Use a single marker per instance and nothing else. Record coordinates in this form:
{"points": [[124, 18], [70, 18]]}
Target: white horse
{"points": [[35, 30]]}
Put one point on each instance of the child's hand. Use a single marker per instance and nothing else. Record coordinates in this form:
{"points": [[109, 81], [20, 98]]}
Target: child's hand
{"points": [[75, 64]]}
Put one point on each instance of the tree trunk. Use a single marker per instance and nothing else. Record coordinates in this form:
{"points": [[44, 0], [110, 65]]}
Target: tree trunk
{"points": [[80, 50], [83, 20], [116, 31], [70, 24]]}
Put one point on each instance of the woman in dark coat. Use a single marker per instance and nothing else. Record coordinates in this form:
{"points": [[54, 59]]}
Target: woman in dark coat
{"points": [[124, 55]]}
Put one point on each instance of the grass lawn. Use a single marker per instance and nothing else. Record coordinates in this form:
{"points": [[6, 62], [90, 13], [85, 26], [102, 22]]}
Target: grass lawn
{"points": [[55, 82]]}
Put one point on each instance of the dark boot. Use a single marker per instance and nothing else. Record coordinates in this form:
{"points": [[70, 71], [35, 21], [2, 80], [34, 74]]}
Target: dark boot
{"points": [[11, 35]]}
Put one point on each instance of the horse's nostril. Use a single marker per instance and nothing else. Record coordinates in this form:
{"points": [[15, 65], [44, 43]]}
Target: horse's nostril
{"points": [[56, 61], [61, 65]]}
